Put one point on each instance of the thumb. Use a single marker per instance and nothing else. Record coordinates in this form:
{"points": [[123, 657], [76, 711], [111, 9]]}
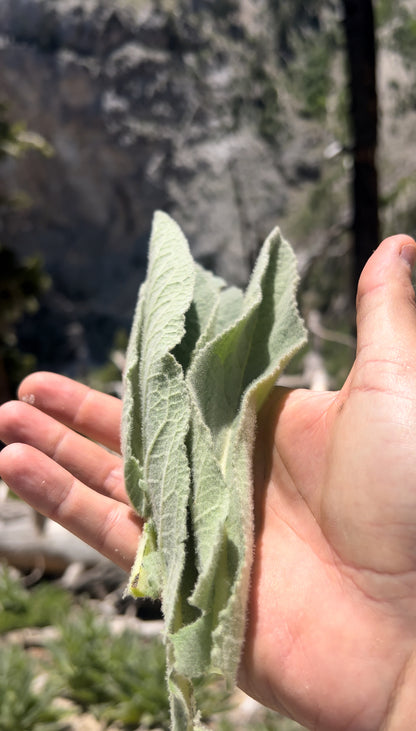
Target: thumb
{"points": [[386, 311]]}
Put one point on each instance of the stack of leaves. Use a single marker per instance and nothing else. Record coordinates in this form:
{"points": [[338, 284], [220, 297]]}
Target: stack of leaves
{"points": [[202, 358]]}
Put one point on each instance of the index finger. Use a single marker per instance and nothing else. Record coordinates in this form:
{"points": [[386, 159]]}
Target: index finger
{"points": [[109, 526], [91, 413]]}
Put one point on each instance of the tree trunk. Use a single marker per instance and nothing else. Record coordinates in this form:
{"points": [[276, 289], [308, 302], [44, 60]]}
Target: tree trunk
{"points": [[361, 50]]}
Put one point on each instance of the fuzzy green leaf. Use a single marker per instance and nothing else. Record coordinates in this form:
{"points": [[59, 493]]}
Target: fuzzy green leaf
{"points": [[201, 361], [156, 411]]}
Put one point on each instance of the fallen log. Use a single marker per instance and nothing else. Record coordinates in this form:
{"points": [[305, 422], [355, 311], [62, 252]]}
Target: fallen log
{"points": [[49, 547]]}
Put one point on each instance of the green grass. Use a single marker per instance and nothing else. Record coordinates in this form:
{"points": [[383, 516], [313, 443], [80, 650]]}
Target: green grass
{"points": [[39, 607], [119, 678], [24, 707]]}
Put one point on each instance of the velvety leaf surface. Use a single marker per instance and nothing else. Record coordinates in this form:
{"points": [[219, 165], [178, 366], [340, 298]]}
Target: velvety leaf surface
{"points": [[202, 359]]}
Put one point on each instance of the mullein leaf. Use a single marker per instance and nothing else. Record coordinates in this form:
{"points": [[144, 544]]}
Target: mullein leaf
{"points": [[202, 359], [156, 408]]}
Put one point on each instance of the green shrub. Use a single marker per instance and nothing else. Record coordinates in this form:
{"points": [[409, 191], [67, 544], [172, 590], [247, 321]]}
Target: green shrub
{"points": [[117, 678], [20, 607], [22, 707], [120, 678]]}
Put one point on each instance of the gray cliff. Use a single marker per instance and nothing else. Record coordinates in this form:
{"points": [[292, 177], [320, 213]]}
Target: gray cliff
{"points": [[180, 105], [144, 108]]}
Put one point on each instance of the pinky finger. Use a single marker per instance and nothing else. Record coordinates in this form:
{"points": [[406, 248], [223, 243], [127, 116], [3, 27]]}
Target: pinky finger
{"points": [[109, 526]]}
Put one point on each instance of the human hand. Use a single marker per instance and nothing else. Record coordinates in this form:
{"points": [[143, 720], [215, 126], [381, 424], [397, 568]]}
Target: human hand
{"points": [[63, 459], [331, 636], [332, 617]]}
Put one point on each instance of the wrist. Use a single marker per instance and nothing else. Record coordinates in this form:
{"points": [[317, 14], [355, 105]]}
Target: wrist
{"points": [[401, 712]]}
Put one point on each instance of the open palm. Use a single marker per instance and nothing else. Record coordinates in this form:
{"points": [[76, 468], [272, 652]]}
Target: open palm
{"points": [[332, 616]]}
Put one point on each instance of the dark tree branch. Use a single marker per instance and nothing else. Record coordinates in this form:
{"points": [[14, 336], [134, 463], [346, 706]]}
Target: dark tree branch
{"points": [[361, 50]]}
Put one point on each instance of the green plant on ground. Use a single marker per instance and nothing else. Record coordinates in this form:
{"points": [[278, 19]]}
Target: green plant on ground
{"points": [[117, 678], [24, 707], [41, 606]]}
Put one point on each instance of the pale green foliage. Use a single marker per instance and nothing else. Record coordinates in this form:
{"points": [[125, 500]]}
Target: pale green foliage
{"points": [[202, 359], [19, 607], [23, 707]]}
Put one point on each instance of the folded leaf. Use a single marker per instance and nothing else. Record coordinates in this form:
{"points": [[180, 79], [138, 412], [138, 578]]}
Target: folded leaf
{"points": [[202, 359], [156, 411]]}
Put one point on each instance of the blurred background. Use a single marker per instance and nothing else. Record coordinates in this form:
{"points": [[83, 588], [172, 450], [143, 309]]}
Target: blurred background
{"points": [[233, 116]]}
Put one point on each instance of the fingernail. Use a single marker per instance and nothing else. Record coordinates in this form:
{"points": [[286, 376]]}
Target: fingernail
{"points": [[408, 253]]}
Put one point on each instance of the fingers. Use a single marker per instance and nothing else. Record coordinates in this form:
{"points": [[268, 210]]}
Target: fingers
{"points": [[386, 318], [111, 527], [88, 462], [385, 300], [53, 467], [94, 414]]}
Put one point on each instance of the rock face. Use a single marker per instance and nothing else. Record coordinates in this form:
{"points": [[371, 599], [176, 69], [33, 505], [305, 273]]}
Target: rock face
{"points": [[144, 107]]}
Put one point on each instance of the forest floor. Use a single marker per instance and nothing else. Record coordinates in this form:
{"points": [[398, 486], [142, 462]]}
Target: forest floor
{"points": [[77, 656]]}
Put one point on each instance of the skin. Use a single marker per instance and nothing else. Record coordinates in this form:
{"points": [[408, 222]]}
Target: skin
{"points": [[331, 631]]}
